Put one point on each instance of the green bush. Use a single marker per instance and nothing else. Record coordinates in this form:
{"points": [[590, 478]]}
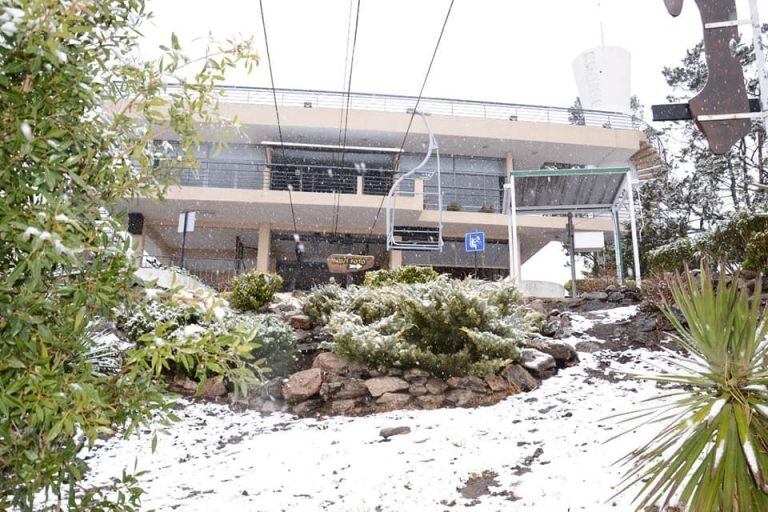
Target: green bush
{"points": [[712, 451], [407, 274], [139, 318], [757, 253], [275, 339], [446, 326], [252, 290], [322, 301]]}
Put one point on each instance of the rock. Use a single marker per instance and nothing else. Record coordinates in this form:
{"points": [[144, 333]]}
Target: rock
{"points": [[430, 401], [377, 386], [460, 397], [301, 322], [417, 389], [611, 288], [416, 375], [496, 383], [273, 388], [343, 406], [395, 372], [331, 363], [386, 433], [436, 386], [393, 399], [270, 406], [453, 382], [184, 384], [564, 354], [539, 364], [303, 385], [519, 377], [615, 297], [537, 305], [474, 384], [307, 406], [351, 389], [589, 347], [214, 388], [594, 295]]}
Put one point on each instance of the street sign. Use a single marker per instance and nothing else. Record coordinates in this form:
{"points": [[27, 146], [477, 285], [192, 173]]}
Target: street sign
{"points": [[186, 222], [348, 263], [589, 241], [474, 241]]}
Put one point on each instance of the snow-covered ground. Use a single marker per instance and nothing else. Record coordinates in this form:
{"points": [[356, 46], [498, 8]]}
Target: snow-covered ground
{"points": [[547, 450]]}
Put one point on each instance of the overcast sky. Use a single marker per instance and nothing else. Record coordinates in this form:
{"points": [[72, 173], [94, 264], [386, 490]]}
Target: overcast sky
{"points": [[501, 50]]}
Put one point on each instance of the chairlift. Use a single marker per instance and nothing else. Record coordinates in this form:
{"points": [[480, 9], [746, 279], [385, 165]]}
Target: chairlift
{"points": [[417, 238]]}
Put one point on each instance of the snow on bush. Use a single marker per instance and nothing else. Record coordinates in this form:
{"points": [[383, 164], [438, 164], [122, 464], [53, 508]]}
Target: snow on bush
{"points": [[254, 289], [407, 274], [447, 327]]}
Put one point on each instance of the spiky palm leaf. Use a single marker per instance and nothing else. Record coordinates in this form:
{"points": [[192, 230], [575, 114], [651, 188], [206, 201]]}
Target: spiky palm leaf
{"points": [[712, 454]]}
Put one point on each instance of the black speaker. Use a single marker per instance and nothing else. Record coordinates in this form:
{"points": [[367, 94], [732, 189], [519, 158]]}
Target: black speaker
{"points": [[135, 223]]}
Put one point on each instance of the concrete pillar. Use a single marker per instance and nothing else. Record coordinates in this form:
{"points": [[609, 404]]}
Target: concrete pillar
{"points": [[267, 169], [418, 188], [395, 258], [515, 263], [360, 185], [263, 249]]}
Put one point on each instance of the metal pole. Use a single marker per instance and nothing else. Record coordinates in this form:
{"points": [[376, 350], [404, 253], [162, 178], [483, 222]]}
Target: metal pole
{"points": [[475, 253], [757, 40], [617, 245], [514, 263], [183, 240], [572, 242], [633, 224]]}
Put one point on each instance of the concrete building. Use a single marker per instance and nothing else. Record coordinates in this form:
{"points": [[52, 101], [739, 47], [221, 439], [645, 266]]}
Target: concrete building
{"points": [[327, 185]]}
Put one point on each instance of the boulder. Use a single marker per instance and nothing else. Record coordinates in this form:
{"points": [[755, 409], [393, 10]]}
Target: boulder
{"points": [[377, 386], [393, 399], [331, 363], [307, 406], [395, 372], [270, 406], [301, 322], [519, 378], [474, 384], [537, 305], [352, 388], [565, 355], [453, 382], [460, 397], [589, 347], [214, 388], [496, 383], [343, 406], [594, 295], [416, 375], [436, 386], [271, 389], [303, 385], [539, 364], [430, 401], [386, 433], [615, 297], [184, 384], [417, 389]]}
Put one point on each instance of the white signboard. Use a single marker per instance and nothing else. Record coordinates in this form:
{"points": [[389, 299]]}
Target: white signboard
{"points": [[190, 222], [589, 241]]}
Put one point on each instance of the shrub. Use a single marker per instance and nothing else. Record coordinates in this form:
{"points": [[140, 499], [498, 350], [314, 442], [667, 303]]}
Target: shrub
{"points": [[757, 252], [141, 317], [712, 450], [275, 338], [322, 301], [252, 290], [673, 256], [447, 327], [407, 274]]}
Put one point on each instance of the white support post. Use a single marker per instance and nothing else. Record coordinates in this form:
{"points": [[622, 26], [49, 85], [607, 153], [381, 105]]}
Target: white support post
{"points": [[512, 241], [617, 245], [633, 225], [757, 39]]}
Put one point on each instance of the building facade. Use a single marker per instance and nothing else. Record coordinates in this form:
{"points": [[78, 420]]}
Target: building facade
{"points": [[283, 198]]}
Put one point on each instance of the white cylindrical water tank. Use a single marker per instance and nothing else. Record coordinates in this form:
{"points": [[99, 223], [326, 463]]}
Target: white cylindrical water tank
{"points": [[603, 79]]}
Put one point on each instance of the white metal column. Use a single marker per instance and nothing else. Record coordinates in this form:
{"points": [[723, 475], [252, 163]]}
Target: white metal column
{"points": [[633, 225], [617, 244], [757, 39], [512, 244]]}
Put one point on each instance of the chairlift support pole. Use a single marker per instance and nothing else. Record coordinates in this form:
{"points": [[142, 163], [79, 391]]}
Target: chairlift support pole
{"points": [[633, 226]]}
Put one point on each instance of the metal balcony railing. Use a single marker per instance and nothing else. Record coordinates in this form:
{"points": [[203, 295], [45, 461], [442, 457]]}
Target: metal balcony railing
{"points": [[440, 106]]}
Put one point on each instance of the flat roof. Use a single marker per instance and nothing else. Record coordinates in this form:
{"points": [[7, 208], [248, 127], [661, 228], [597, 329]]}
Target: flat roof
{"points": [[568, 190]]}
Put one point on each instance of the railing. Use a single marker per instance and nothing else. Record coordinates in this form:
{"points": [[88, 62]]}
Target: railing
{"points": [[214, 272], [439, 106], [225, 174]]}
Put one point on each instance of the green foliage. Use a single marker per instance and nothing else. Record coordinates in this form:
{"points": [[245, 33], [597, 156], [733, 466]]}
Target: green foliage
{"points": [[597, 284], [739, 241], [79, 113], [140, 317], [446, 326], [407, 274], [252, 290], [712, 451], [322, 301], [276, 347]]}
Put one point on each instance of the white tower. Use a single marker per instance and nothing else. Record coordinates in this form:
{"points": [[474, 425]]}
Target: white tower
{"points": [[603, 79]]}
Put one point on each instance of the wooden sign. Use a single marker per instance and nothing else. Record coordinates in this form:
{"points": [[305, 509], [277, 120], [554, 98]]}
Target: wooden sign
{"points": [[348, 263]]}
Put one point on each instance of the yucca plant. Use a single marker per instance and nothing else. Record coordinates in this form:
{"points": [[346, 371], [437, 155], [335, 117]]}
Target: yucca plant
{"points": [[711, 455]]}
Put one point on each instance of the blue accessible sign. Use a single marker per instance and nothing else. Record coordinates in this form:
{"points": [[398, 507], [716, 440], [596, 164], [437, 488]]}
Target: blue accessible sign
{"points": [[474, 241]]}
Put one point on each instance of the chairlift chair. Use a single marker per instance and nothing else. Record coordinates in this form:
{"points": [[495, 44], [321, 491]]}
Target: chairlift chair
{"points": [[417, 238]]}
